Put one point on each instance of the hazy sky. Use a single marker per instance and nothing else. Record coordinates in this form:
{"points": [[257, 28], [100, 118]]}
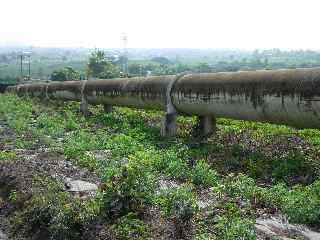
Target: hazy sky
{"points": [[162, 23]]}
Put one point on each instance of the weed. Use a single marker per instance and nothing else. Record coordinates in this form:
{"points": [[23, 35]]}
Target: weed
{"points": [[239, 186], [23, 143], [76, 143], [289, 165], [54, 214], [130, 227], [7, 155], [302, 204], [203, 174], [234, 226], [13, 196], [50, 124], [129, 187], [179, 203], [181, 206]]}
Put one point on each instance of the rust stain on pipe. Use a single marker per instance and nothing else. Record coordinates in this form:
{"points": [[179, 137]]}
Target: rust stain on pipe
{"points": [[282, 96], [148, 92]]}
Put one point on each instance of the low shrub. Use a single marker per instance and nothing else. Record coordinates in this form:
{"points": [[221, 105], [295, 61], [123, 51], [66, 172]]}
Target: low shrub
{"points": [[55, 214], [76, 143], [129, 187], [130, 227], [7, 155], [233, 225], [203, 174], [239, 186], [180, 205], [302, 204]]}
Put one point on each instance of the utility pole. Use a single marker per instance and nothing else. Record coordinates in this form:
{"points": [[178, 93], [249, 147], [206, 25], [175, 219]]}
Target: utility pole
{"points": [[25, 59], [125, 68], [29, 67], [21, 66]]}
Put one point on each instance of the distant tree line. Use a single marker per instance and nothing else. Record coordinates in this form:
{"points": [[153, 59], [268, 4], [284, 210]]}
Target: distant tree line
{"points": [[8, 80], [63, 65], [99, 66], [65, 74]]}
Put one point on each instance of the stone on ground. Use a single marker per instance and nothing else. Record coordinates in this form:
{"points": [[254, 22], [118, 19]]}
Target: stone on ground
{"points": [[280, 228]]}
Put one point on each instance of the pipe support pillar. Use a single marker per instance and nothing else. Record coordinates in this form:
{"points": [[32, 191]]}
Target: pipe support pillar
{"points": [[107, 108], [169, 124], [84, 107], [206, 126]]}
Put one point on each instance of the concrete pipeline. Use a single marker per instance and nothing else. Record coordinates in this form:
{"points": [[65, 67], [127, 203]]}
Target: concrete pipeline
{"points": [[287, 96], [4, 86]]}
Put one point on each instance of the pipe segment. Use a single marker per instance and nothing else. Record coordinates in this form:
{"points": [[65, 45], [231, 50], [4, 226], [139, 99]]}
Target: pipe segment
{"points": [[287, 96], [140, 92], [284, 96]]}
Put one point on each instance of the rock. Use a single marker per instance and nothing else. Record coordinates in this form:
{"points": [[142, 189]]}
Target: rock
{"points": [[79, 186], [278, 226], [206, 200], [98, 153], [164, 184]]}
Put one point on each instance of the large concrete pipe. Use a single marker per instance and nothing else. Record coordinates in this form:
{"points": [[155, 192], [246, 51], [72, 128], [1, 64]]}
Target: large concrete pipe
{"points": [[140, 92], [282, 96], [4, 86], [69, 91], [289, 97]]}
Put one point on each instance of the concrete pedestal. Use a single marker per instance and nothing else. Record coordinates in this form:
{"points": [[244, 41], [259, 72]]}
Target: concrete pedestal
{"points": [[107, 108], [84, 107], [208, 125], [205, 127], [169, 125]]}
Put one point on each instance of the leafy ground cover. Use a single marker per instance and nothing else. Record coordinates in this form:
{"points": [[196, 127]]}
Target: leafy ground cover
{"points": [[153, 187]]}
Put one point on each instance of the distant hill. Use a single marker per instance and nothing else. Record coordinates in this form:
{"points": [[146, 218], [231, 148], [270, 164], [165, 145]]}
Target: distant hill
{"points": [[162, 60]]}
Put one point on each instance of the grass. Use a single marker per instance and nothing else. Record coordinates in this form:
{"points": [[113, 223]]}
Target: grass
{"points": [[7, 155], [261, 165], [55, 212]]}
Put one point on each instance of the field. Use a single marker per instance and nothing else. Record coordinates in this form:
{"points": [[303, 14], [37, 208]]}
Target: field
{"points": [[150, 187]]}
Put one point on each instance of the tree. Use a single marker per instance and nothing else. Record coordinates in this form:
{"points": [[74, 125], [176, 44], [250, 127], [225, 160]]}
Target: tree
{"points": [[100, 67], [65, 74], [137, 69], [110, 71]]}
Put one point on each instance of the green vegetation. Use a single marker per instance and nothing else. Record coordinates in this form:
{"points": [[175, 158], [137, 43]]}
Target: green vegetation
{"points": [[130, 227], [100, 67], [180, 204], [55, 212], [233, 225], [130, 187], [201, 174], [248, 169], [46, 62], [65, 74], [7, 155]]}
